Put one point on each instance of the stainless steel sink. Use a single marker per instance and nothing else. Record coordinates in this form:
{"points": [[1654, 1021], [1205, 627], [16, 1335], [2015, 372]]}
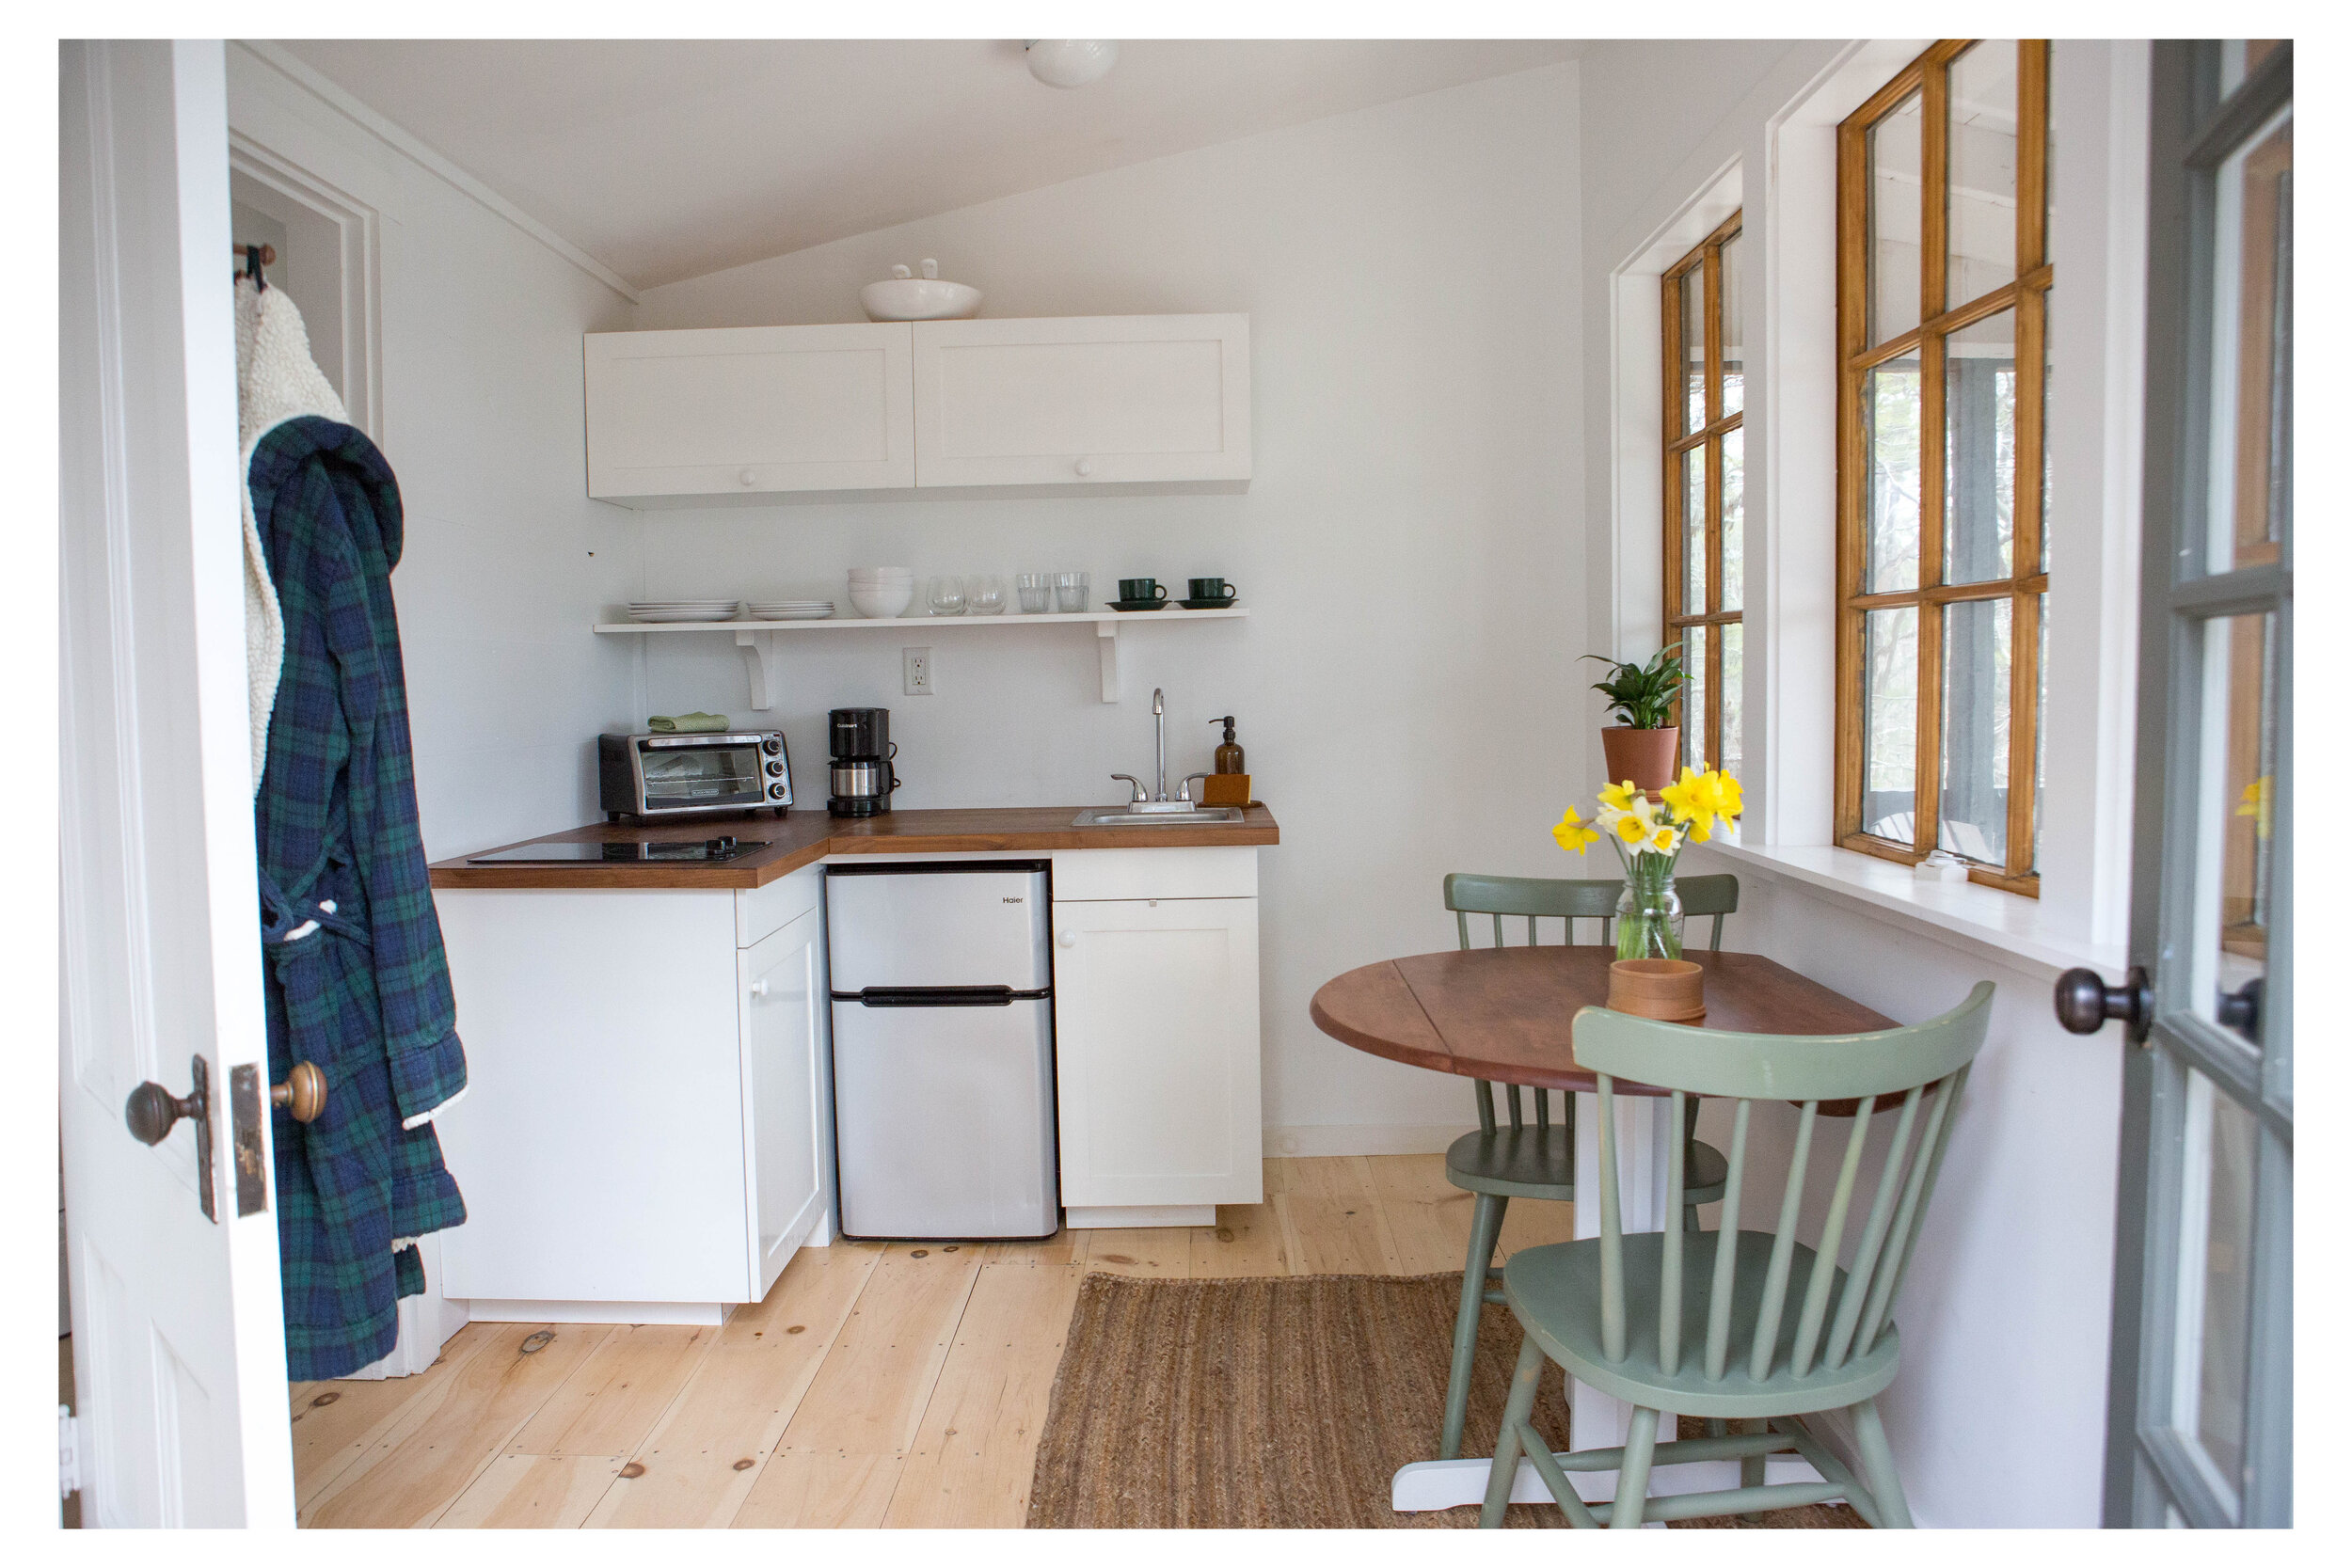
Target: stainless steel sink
{"points": [[1120, 817]]}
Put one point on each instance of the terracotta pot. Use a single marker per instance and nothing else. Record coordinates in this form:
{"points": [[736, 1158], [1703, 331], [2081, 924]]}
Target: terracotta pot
{"points": [[1672, 990], [1645, 756]]}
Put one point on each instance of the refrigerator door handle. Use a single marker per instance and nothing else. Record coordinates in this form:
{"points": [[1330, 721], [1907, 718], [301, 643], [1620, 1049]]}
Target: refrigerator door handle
{"points": [[939, 996]]}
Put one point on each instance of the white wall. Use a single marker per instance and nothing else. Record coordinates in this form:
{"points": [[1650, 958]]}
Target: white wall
{"points": [[504, 557], [1409, 548], [1999, 1415]]}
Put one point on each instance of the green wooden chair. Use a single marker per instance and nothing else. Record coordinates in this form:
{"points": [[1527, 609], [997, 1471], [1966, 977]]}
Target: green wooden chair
{"points": [[1500, 1164], [1620, 1312]]}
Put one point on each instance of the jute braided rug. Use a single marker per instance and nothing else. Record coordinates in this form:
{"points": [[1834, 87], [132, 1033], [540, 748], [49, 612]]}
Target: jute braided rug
{"points": [[1283, 1404]]}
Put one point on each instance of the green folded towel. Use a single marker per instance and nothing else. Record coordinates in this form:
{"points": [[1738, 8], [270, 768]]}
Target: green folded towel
{"points": [[687, 723]]}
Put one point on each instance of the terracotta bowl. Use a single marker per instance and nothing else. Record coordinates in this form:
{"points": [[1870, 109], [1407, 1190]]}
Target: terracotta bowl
{"points": [[1672, 990]]}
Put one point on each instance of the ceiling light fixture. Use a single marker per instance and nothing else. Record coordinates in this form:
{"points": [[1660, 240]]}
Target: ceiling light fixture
{"points": [[1070, 62]]}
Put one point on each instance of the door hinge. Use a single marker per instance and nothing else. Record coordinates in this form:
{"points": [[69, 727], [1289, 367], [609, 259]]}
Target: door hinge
{"points": [[69, 1453]]}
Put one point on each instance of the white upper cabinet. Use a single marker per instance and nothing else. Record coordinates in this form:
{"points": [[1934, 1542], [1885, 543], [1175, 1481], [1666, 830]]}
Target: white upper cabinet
{"points": [[757, 413], [690, 418], [1082, 399]]}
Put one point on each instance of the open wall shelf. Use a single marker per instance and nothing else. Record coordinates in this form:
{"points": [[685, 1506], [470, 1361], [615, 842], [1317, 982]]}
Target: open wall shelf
{"points": [[758, 640]]}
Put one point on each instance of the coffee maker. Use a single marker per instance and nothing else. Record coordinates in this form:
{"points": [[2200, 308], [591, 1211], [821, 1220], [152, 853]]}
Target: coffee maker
{"points": [[863, 776]]}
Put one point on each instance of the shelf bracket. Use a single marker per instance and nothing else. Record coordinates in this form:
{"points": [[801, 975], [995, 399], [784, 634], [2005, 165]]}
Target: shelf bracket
{"points": [[1107, 645], [758, 649]]}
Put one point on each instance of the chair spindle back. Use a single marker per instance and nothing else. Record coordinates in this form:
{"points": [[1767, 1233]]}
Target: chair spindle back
{"points": [[1927, 1064]]}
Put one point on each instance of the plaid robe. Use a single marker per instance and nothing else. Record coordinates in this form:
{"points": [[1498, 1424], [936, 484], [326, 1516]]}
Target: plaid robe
{"points": [[355, 980]]}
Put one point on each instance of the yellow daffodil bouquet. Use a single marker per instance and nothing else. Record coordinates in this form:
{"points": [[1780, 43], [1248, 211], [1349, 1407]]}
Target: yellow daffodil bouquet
{"points": [[1648, 836]]}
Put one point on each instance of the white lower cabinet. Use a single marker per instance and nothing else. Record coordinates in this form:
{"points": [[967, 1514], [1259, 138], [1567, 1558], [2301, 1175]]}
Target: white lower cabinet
{"points": [[1156, 1053], [784, 1013], [644, 1136]]}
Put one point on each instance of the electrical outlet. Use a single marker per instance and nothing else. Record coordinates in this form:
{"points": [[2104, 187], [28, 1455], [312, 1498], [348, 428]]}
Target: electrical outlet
{"points": [[918, 662]]}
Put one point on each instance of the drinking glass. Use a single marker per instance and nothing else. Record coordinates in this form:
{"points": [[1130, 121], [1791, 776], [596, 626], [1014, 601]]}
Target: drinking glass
{"points": [[946, 596], [1037, 592], [985, 595], [1070, 592]]}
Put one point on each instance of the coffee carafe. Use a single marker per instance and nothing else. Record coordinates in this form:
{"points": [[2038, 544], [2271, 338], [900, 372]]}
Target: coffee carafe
{"points": [[861, 769]]}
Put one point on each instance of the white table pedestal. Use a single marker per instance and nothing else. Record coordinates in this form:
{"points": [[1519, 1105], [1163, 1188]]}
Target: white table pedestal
{"points": [[1595, 1421]]}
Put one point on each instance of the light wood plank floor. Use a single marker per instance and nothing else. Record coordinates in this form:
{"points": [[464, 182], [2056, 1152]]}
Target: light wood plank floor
{"points": [[900, 1384]]}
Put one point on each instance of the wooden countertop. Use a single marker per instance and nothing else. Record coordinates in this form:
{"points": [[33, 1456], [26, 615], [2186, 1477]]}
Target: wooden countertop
{"points": [[808, 837]]}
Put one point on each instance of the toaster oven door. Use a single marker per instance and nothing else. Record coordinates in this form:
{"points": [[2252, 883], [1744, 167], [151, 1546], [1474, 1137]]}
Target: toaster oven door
{"points": [[679, 775]]}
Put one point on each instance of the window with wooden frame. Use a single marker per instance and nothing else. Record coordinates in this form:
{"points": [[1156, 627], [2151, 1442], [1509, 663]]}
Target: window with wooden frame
{"points": [[1942, 325], [1704, 395]]}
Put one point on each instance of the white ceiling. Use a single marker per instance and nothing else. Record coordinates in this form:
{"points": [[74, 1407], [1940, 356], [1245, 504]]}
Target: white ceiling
{"points": [[666, 160]]}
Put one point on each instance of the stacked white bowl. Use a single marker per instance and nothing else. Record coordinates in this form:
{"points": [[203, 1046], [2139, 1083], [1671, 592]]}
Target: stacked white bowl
{"points": [[881, 593]]}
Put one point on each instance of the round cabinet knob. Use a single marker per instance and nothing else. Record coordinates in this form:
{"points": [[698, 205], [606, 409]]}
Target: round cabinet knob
{"points": [[1085, 466], [759, 987], [152, 1110], [303, 1094], [1068, 939], [748, 477]]}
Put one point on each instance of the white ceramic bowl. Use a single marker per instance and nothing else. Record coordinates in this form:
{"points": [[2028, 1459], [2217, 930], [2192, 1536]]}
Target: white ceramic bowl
{"points": [[882, 604], [919, 299], [882, 574]]}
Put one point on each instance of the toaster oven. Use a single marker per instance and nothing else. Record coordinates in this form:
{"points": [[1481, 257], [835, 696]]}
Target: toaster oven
{"points": [[652, 776]]}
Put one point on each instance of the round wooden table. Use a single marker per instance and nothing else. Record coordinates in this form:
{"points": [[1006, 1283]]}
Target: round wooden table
{"points": [[1506, 1015]]}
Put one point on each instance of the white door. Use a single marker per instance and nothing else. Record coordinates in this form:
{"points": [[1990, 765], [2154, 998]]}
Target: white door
{"points": [[1156, 1014], [179, 1362], [784, 1021], [1082, 399], [694, 416]]}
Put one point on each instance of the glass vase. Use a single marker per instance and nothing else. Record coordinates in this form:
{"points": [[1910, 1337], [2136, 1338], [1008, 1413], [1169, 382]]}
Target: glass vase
{"points": [[1649, 912]]}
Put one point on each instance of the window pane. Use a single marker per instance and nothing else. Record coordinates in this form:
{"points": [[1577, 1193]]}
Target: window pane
{"points": [[2041, 730], [1693, 349], [1695, 698], [2239, 743], [1734, 516], [1972, 816], [2253, 323], [1731, 749], [1979, 449], [2218, 1145], [1694, 531], [2239, 56], [1891, 148], [2049, 379], [1735, 329], [1890, 721], [1890, 502], [1980, 223]]}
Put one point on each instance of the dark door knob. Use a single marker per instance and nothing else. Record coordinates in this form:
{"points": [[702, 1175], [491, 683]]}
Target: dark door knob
{"points": [[303, 1092], [2242, 1010], [2084, 1003], [152, 1110]]}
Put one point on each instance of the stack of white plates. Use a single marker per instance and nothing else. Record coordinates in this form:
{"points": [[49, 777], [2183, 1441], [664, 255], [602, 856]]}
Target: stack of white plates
{"points": [[685, 609], [791, 609]]}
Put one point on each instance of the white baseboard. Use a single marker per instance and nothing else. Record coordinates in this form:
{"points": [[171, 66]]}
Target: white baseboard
{"points": [[1130, 1217], [1312, 1142], [708, 1313]]}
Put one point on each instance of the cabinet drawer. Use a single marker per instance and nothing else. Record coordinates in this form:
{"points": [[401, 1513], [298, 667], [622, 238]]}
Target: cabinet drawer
{"points": [[762, 912], [1216, 871]]}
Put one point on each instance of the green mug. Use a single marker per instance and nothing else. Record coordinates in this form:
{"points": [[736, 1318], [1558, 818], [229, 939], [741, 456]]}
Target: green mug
{"points": [[1212, 587], [1132, 588]]}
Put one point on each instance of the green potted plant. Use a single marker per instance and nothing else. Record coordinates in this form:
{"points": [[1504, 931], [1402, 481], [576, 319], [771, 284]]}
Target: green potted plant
{"points": [[1642, 697]]}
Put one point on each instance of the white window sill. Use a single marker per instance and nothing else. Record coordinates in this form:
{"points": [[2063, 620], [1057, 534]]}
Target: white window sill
{"points": [[1962, 914]]}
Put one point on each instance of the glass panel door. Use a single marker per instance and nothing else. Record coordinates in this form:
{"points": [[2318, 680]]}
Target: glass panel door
{"points": [[2201, 1417]]}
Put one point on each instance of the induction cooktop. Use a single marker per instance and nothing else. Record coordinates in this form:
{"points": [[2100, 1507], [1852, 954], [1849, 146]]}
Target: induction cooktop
{"points": [[621, 854]]}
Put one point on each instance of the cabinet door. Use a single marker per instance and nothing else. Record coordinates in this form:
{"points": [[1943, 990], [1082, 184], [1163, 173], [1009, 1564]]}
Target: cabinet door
{"points": [[749, 411], [784, 1018], [1156, 1049], [1082, 399]]}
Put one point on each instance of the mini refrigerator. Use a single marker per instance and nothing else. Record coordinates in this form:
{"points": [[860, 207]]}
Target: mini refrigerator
{"points": [[943, 1049]]}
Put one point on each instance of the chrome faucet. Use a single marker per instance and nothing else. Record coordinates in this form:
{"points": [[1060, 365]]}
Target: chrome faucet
{"points": [[1157, 801]]}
